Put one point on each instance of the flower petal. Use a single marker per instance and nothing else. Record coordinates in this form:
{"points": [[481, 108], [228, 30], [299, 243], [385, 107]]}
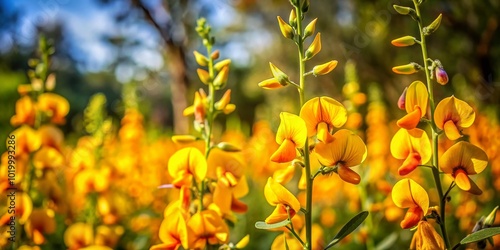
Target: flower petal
{"points": [[292, 127], [347, 148], [285, 153], [412, 217], [348, 175], [416, 96], [466, 156], [408, 193], [451, 130], [410, 120], [451, 108], [323, 109], [276, 194], [410, 164]]}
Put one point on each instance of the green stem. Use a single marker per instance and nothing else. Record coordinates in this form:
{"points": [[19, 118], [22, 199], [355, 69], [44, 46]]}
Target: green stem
{"points": [[309, 178], [435, 134], [295, 235], [369, 220]]}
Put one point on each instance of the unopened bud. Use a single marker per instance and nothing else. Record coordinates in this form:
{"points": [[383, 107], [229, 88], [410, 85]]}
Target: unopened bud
{"points": [[221, 78], [407, 69], [50, 83], [325, 68], [490, 219], [228, 147], [218, 66], [270, 83], [37, 84], [402, 100], [404, 41], [309, 30], [292, 19], [200, 59], [305, 6], [403, 10], [433, 26], [314, 48], [24, 89], [441, 76], [224, 101], [215, 55], [279, 75], [285, 28], [203, 75]]}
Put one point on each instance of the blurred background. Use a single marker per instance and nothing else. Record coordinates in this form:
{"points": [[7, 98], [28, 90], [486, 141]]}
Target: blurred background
{"points": [[106, 46]]}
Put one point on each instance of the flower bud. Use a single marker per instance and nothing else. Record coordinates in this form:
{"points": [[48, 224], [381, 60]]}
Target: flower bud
{"points": [[490, 219], [218, 66], [285, 28], [441, 76], [407, 69], [292, 19], [221, 78], [279, 75], [309, 30], [305, 6], [204, 76], [224, 101], [402, 100], [325, 68], [314, 48], [50, 83], [225, 146], [24, 89], [200, 59], [215, 55], [243, 242], [37, 84], [183, 138], [404, 41], [403, 10], [270, 83], [433, 26], [199, 108]]}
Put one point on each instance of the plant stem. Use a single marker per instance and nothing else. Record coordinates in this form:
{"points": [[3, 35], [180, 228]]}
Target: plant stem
{"points": [[309, 178], [435, 161]]}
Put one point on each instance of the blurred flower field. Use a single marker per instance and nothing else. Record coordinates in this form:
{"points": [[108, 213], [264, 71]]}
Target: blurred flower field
{"points": [[316, 169]]}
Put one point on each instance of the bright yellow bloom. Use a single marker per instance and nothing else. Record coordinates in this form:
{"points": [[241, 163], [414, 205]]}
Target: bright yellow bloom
{"points": [[285, 28], [321, 114], [25, 112], [78, 235], [92, 180], [292, 134], [208, 227], [22, 211], [48, 157], [413, 146], [174, 231], [426, 238], [324, 68], [452, 114], [460, 161], [185, 164], [279, 196], [406, 193], [27, 140], [55, 106], [199, 107], [345, 151], [415, 105], [314, 48], [51, 136]]}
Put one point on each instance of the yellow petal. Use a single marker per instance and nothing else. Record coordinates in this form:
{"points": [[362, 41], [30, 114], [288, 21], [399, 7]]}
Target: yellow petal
{"points": [[463, 155], [347, 148], [270, 83], [412, 217], [462, 180], [416, 96], [410, 120], [348, 175], [188, 160], [279, 214], [314, 48], [405, 142], [285, 153], [324, 133], [292, 127], [456, 110], [451, 130], [323, 109], [55, 106], [426, 238], [408, 193], [410, 164], [276, 194]]}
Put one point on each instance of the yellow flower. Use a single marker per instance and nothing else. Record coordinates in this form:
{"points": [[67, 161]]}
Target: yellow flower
{"points": [[321, 114], [78, 235], [174, 231], [324, 68], [51, 136], [27, 140], [270, 83], [199, 107], [25, 112], [55, 106], [224, 105], [285, 28], [415, 105], [185, 164], [40, 222], [48, 157], [413, 146], [279, 196], [460, 161], [292, 134], [92, 180], [452, 114], [426, 238], [208, 228], [314, 48], [406, 193], [345, 151]]}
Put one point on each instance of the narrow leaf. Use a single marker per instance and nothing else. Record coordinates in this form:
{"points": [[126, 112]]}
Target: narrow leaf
{"points": [[348, 228], [264, 225], [480, 235]]}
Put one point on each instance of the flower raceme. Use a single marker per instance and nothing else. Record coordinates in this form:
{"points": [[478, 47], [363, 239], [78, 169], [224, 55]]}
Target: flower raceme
{"points": [[321, 114], [186, 164], [292, 134], [415, 105], [286, 203], [345, 151], [406, 193], [413, 146], [451, 115], [461, 160]]}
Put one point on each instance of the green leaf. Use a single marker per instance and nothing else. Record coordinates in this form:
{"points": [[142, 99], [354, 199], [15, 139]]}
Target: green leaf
{"points": [[480, 235], [350, 226], [264, 225]]}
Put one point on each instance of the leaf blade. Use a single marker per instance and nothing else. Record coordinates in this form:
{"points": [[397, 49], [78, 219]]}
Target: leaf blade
{"points": [[480, 235], [348, 228]]}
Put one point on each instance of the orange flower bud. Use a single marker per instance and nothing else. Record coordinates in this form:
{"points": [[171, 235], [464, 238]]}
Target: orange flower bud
{"points": [[215, 55], [441, 76], [407, 69], [50, 83], [285, 28], [224, 101], [270, 83], [314, 48], [218, 66], [204, 76], [404, 41], [325, 68]]}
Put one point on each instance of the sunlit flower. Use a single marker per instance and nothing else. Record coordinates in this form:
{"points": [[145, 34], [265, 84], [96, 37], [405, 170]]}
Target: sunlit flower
{"points": [[48, 157], [270, 83], [452, 114], [174, 231], [92, 180], [279, 196], [23, 208], [207, 228], [51, 136], [413, 146], [461, 160], [426, 238], [291, 134], [415, 105], [406, 193], [185, 164], [78, 235], [199, 107], [54, 106], [108, 235], [27, 140], [25, 112], [345, 151], [321, 115], [40, 223]]}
